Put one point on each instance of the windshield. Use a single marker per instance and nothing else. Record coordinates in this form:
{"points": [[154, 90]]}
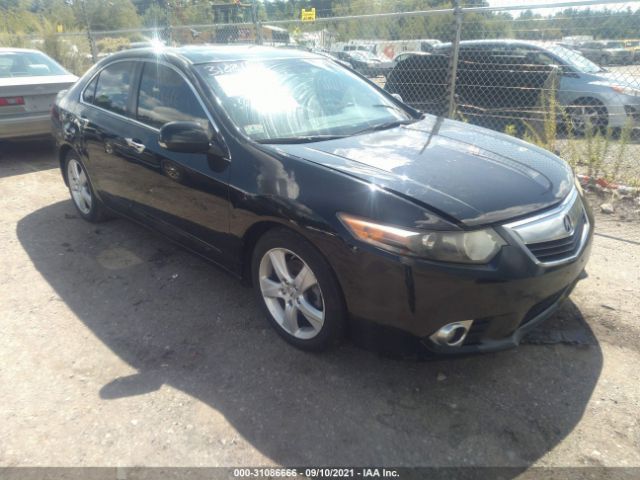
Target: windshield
{"points": [[302, 97], [574, 59], [28, 64]]}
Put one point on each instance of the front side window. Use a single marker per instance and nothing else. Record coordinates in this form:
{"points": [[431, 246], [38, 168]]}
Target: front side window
{"points": [[166, 97], [112, 90], [574, 59], [295, 98]]}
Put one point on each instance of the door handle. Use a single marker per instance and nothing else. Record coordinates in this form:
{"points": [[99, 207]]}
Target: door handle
{"points": [[137, 146]]}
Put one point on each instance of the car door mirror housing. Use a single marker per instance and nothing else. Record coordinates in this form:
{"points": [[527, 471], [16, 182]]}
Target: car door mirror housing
{"points": [[184, 137]]}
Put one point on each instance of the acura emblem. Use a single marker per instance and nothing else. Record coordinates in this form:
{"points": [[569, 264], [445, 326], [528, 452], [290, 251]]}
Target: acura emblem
{"points": [[568, 224]]}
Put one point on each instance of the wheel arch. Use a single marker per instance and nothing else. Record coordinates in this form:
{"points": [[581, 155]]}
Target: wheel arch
{"points": [[250, 240], [63, 151], [596, 102], [587, 98], [256, 231]]}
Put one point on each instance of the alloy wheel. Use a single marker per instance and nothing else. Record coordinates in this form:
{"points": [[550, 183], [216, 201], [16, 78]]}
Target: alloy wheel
{"points": [[584, 118], [292, 293], [79, 186]]}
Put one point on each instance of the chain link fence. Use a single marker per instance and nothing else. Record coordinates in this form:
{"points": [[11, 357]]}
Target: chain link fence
{"points": [[565, 77]]}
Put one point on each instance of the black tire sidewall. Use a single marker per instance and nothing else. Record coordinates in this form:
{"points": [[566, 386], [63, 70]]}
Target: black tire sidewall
{"points": [[333, 329], [95, 213], [599, 109]]}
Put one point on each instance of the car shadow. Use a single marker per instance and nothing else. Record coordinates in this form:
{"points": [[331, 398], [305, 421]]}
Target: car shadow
{"points": [[27, 156], [184, 323]]}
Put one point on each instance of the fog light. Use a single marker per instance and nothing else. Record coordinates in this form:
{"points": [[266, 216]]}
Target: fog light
{"points": [[452, 334]]}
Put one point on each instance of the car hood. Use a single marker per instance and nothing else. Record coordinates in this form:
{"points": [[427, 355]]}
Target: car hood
{"points": [[615, 78], [464, 173]]}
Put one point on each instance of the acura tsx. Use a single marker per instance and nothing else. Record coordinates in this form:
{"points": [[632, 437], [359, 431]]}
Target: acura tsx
{"points": [[340, 204]]}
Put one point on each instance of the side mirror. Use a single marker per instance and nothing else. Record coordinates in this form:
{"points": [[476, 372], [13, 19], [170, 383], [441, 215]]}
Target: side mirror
{"points": [[397, 97], [184, 137]]}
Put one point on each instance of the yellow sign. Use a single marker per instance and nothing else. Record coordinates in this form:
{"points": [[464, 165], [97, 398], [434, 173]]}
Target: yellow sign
{"points": [[308, 15], [59, 28]]}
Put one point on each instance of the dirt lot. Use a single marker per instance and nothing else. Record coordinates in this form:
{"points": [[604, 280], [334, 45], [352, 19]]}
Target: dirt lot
{"points": [[119, 348]]}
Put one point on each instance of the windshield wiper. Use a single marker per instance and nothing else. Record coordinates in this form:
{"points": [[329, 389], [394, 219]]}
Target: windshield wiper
{"points": [[398, 109], [385, 126], [390, 107], [300, 139]]}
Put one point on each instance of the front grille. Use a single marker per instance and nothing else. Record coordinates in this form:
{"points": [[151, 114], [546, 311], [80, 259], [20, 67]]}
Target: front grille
{"points": [[555, 250], [556, 236]]}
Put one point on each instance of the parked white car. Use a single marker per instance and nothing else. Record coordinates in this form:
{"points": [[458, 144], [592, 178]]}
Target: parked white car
{"points": [[29, 83]]}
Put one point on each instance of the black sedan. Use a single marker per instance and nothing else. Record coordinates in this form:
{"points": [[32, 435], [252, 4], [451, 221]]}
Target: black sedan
{"points": [[365, 62], [341, 205]]}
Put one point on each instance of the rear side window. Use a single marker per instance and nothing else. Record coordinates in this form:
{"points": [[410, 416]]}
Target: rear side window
{"points": [[112, 90], [166, 97], [89, 93]]}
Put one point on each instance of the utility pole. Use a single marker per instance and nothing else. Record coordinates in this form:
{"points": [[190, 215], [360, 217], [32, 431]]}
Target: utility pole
{"points": [[453, 67], [168, 33], [87, 24], [256, 22]]}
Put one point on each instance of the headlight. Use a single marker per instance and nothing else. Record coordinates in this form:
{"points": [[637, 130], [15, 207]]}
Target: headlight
{"points": [[626, 90], [478, 246]]}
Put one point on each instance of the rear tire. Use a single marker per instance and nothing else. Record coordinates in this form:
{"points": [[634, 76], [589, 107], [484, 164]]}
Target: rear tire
{"points": [[82, 193], [298, 291]]}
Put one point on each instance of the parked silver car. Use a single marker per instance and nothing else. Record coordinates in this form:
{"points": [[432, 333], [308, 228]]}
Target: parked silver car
{"points": [[590, 94], [29, 83]]}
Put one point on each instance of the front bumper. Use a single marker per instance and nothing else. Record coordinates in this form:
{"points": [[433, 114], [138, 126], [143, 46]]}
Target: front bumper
{"points": [[23, 126], [624, 114], [414, 298]]}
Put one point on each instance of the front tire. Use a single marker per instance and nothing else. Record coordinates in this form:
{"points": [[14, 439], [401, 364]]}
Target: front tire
{"points": [[82, 194], [298, 291], [587, 115]]}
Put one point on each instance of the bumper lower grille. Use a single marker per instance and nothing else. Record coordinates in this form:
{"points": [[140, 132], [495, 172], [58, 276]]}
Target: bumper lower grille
{"points": [[476, 332], [541, 307]]}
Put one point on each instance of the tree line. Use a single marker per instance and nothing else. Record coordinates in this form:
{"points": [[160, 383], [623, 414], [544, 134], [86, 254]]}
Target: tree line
{"points": [[40, 17]]}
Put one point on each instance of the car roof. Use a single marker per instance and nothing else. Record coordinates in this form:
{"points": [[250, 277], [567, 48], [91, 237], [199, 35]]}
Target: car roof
{"points": [[196, 54], [497, 41]]}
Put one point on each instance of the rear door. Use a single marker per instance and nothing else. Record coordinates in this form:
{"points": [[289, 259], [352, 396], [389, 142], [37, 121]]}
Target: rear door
{"points": [[483, 72], [421, 81], [105, 118]]}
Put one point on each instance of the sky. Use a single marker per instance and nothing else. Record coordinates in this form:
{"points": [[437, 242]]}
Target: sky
{"points": [[547, 11]]}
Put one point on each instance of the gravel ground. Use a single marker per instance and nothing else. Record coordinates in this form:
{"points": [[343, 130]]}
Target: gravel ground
{"points": [[121, 349]]}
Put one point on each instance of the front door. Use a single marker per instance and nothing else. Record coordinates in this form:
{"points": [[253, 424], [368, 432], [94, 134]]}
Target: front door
{"points": [[183, 194]]}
